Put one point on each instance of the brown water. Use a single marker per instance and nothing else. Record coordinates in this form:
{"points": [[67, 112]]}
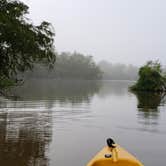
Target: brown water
{"points": [[53, 123]]}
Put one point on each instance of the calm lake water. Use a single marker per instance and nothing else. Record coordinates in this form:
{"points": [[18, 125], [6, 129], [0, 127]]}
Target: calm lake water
{"points": [[53, 123]]}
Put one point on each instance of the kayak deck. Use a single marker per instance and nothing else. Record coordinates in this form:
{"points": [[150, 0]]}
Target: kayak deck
{"points": [[114, 157]]}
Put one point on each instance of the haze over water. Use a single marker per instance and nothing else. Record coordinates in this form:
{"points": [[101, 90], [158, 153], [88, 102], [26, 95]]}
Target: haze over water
{"points": [[67, 123]]}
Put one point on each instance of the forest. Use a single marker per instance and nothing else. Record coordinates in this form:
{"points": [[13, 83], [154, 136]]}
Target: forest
{"points": [[76, 66], [68, 66]]}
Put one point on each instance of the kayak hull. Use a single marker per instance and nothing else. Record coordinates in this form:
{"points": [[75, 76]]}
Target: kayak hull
{"points": [[114, 157]]}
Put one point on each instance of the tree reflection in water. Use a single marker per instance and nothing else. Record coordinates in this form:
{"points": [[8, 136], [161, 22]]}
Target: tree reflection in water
{"points": [[148, 106], [24, 138], [58, 91]]}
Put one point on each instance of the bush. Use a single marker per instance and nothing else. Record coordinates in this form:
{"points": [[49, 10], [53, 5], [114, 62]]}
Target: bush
{"points": [[151, 78]]}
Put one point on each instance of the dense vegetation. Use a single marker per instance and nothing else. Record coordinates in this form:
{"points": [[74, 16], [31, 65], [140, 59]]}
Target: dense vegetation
{"points": [[21, 42], [118, 71], [78, 66], [151, 78], [68, 66]]}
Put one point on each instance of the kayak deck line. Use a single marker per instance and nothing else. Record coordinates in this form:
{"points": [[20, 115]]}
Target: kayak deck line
{"points": [[114, 155]]}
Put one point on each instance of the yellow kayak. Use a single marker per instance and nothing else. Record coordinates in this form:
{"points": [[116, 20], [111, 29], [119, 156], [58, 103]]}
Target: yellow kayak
{"points": [[114, 155]]}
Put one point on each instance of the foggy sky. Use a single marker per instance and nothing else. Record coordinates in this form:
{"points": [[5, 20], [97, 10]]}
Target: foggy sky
{"points": [[125, 31]]}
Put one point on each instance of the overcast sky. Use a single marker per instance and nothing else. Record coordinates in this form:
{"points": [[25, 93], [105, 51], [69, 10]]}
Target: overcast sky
{"points": [[125, 31]]}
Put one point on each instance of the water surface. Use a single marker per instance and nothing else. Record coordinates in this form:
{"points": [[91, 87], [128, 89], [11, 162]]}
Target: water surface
{"points": [[53, 123]]}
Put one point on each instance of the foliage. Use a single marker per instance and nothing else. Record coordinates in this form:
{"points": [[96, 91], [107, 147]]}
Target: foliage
{"points": [[21, 42], [77, 66], [151, 78], [69, 66], [4, 83]]}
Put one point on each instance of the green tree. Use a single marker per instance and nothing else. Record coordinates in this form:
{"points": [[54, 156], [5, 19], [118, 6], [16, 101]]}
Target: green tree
{"points": [[76, 66], [68, 66], [151, 78], [21, 42]]}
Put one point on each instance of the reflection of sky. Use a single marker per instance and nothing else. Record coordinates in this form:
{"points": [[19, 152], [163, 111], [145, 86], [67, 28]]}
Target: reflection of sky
{"points": [[114, 88]]}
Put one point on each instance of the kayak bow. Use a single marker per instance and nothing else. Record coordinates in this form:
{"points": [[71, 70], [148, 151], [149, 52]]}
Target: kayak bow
{"points": [[114, 155]]}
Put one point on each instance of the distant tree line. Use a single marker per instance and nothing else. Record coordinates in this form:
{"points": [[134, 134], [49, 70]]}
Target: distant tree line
{"points": [[72, 66], [118, 71], [68, 66]]}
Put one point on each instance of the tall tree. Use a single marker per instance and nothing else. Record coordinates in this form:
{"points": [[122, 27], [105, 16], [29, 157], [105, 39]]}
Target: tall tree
{"points": [[21, 42]]}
